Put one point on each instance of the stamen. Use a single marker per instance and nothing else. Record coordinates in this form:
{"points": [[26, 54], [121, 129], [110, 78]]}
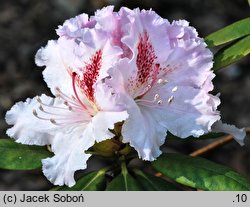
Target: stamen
{"points": [[157, 96], [174, 89], [170, 99], [156, 72], [72, 100], [35, 113], [77, 118], [69, 107], [74, 88], [53, 121], [143, 100], [159, 102], [56, 107], [162, 81], [157, 99], [41, 108], [150, 103], [47, 112]]}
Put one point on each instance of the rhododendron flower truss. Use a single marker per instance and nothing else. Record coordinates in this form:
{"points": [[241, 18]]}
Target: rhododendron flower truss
{"points": [[131, 67]]}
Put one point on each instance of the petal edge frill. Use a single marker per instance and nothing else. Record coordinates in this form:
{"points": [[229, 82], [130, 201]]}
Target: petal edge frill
{"points": [[28, 129], [238, 134], [56, 73], [69, 156], [69, 147]]}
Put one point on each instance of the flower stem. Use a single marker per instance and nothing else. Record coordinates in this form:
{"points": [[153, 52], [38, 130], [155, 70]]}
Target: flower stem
{"points": [[212, 146], [123, 165], [105, 169], [224, 140]]}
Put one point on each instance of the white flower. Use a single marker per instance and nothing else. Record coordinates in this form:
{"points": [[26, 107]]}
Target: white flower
{"points": [[84, 108], [164, 83], [131, 66]]}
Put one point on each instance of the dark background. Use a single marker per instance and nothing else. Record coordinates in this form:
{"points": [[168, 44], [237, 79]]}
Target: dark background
{"points": [[26, 25]]}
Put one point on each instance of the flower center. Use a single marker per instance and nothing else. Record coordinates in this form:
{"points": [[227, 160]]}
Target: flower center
{"points": [[59, 115], [150, 75]]}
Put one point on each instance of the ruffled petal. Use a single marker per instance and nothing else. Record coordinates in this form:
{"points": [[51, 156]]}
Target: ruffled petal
{"points": [[84, 29], [28, 129], [56, 73], [141, 22], [189, 66], [104, 36], [106, 19], [189, 62], [238, 134], [186, 111], [143, 131], [37, 120], [69, 147], [77, 28], [67, 55], [180, 30], [69, 156]]}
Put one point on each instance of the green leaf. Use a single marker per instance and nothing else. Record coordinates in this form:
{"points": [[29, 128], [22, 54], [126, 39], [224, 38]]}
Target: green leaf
{"points": [[232, 53], [124, 182], [15, 156], [93, 181], [153, 183], [200, 173], [232, 32]]}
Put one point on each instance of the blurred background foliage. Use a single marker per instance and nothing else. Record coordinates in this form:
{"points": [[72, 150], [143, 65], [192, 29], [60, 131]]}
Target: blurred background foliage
{"points": [[26, 25]]}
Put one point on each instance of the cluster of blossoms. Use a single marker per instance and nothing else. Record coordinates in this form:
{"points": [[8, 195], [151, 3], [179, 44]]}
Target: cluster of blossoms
{"points": [[129, 66]]}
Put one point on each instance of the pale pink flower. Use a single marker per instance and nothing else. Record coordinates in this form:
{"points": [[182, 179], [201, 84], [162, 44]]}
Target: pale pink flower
{"points": [[164, 82], [130, 66], [84, 108]]}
